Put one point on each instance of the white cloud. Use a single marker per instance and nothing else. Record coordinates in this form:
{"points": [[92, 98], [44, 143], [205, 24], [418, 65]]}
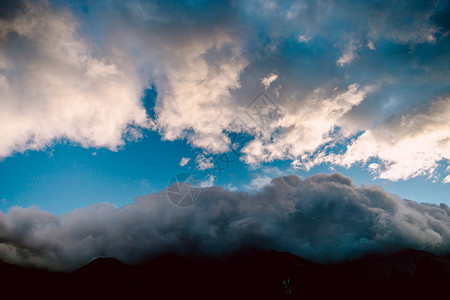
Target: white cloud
{"points": [[267, 81], [373, 167], [194, 98], [349, 54], [306, 124], [203, 162], [53, 87], [231, 187], [208, 182], [446, 179], [184, 161], [258, 183], [407, 146], [304, 38]]}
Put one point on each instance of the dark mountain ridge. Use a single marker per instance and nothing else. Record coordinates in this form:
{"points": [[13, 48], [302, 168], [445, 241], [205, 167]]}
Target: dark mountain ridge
{"points": [[263, 274]]}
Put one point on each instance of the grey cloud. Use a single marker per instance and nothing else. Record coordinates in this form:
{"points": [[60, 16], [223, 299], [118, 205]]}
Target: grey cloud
{"points": [[323, 218]]}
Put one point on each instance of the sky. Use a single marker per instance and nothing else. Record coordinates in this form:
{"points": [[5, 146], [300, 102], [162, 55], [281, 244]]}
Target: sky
{"points": [[104, 103]]}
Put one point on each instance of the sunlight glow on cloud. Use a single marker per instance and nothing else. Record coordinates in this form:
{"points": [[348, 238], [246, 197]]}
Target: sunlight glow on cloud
{"points": [[408, 146], [52, 87], [305, 126], [315, 59], [196, 91]]}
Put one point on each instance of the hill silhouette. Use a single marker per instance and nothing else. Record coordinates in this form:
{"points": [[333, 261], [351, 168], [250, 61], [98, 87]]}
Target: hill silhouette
{"points": [[408, 274]]}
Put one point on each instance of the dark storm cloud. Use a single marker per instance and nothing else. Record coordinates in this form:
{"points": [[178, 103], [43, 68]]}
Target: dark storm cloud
{"points": [[365, 63], [323, 218]]}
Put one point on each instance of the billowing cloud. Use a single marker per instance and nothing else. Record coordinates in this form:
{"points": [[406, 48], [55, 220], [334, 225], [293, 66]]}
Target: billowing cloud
{"points": [[323, 218], [206, 78], [407, 146], [303, 126], [52, 86], [82, 68]]}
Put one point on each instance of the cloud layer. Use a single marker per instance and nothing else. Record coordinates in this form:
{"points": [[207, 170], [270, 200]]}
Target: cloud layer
{"points": [[324, 218]]}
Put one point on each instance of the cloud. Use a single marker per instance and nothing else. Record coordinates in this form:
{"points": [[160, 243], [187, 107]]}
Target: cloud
{"points": [[264, 178], [267, 81], [409, 145], [370, 45], [184, 161], [323, 218], [195, 94], [208, 182], [348, 56], [304, 38], [446, 179], [53, 86], [207, 77], [82, 69], [203, 162], [258, 183], [231, 187], [305, 125]]}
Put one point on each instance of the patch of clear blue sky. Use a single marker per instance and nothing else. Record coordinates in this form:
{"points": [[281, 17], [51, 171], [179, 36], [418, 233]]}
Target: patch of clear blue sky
{"points": [[65, 176]]}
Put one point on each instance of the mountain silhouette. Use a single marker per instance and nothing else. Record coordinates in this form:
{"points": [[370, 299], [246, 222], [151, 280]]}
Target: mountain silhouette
{"points": [[408, 274]]}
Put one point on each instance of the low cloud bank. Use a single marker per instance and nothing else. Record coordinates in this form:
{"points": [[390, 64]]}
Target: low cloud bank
{"points": [[324, 218]]}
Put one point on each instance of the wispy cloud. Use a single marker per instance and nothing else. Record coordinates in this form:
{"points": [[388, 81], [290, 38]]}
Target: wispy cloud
{"points": [[348, 56]]}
